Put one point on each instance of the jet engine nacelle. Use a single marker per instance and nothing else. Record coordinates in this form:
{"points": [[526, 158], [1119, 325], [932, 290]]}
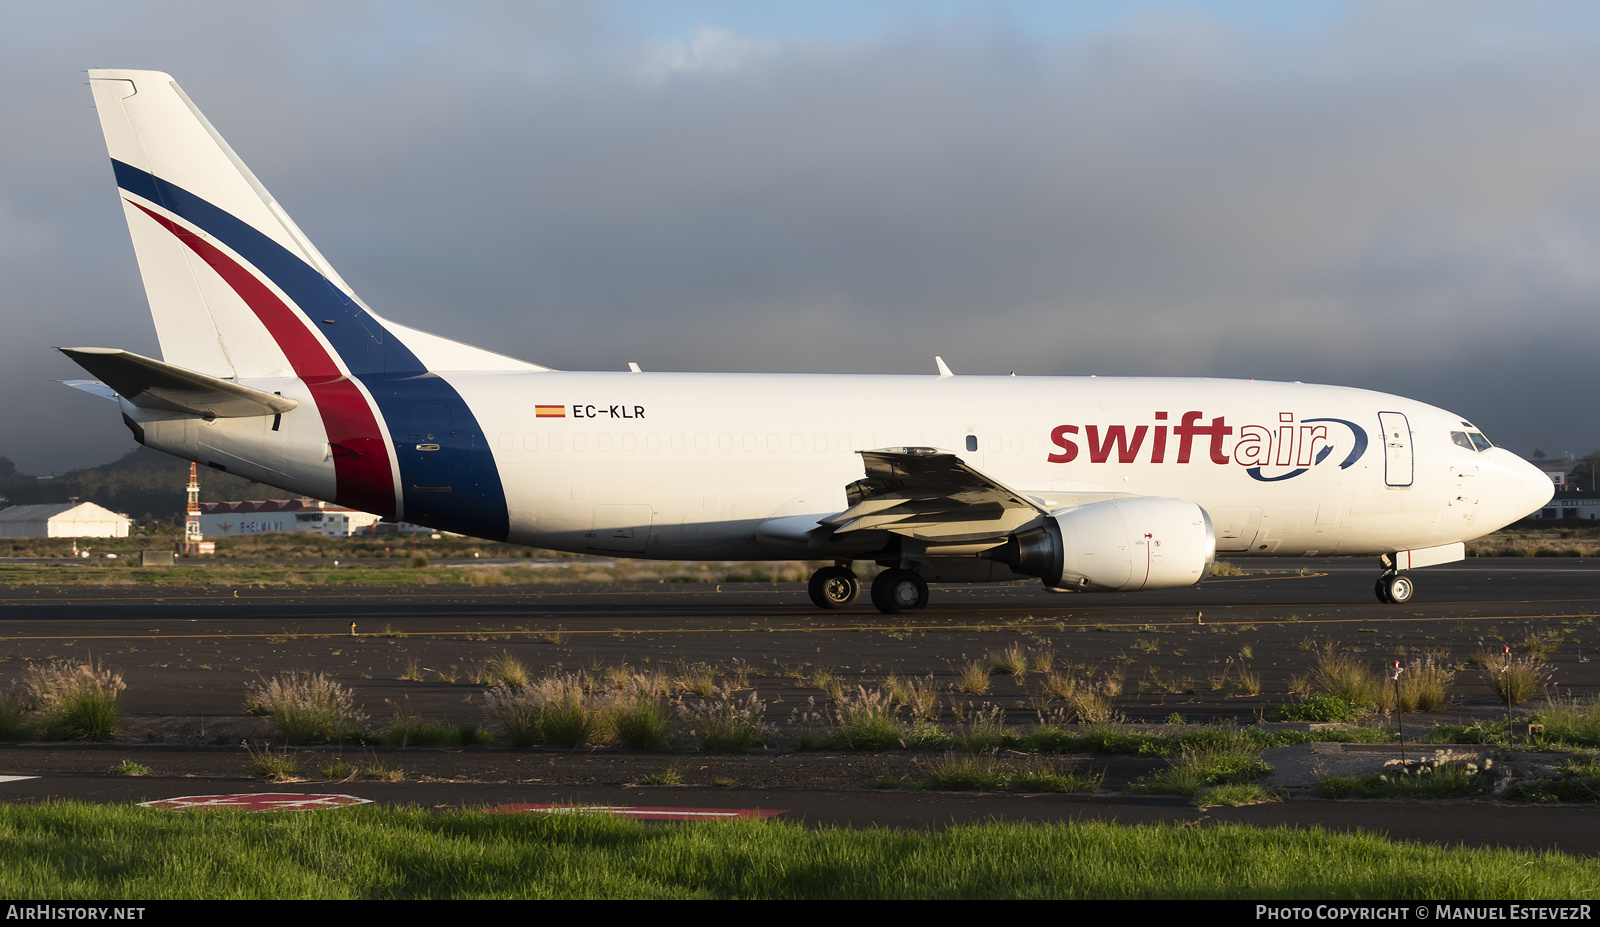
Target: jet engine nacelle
{"points": [[1117, 546]]}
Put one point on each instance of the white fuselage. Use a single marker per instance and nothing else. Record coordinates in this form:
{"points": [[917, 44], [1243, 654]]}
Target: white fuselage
{"points": [[690, 466]]}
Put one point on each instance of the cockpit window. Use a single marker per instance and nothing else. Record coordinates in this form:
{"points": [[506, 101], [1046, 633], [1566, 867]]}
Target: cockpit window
{"points": [[1470, 440], [1480, 441]]}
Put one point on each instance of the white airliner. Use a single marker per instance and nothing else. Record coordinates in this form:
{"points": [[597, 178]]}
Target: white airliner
{"points": [[274, 370]]}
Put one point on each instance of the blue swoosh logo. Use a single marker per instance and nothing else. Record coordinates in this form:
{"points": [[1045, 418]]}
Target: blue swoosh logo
{"points": [[1360, 436], [1360, 448], [1255, 472]]}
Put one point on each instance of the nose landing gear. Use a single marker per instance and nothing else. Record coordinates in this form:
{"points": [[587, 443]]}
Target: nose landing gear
{"points": [[1395, 588]]}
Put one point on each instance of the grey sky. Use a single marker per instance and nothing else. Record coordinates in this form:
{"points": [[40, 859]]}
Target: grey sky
{"points": [[1398, 196]]}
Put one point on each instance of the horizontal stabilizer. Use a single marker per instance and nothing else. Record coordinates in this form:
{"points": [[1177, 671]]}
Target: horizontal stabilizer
{"points": [[151, 384]]}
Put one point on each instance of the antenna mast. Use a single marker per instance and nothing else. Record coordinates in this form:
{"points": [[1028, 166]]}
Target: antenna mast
{"points": [[191, 523]]}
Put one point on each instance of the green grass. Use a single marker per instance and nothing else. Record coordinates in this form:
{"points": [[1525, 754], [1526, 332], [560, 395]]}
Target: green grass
{"points": [[81, 716], [981, 731], [869, 730], [378, 772], [1516, 679], [1198, 770], [1318, 708], [1115, 739], [1234, 794], [1571, 722], [727, 724], [14, 724], [1579, 781], [1568, 723], [1449, 780], [571, 724], [1346, 677], [668, 776], [642, 724], [129, 768], [307, 708], [72, 851], [76, 701], [412, 731], [550, 710], [1478, 732], [961, 772], [275, 766]]}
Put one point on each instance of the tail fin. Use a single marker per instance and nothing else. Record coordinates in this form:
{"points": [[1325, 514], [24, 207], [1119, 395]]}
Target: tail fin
{"points": [[236, 289]]}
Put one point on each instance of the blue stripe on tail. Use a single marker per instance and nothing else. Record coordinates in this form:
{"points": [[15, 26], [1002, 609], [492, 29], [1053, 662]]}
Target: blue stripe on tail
{"points": [[456, 488]]}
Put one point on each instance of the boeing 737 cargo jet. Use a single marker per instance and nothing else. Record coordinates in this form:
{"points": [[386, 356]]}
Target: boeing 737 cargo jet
{"points": [[273, 369]]}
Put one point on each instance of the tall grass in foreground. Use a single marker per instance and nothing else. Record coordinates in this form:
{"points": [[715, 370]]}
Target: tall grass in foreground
{"points": [[408, 730], [1516, 679], [1345, 677], [1199, 768], [550, 710], [868, 720], [13, 715], [73, 851], [725, 723], [1572, 721], [307, 708], [1422, 687], [642, 723], [76, 701]]}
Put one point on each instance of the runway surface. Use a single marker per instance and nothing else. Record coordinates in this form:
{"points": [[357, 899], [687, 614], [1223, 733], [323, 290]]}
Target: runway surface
{"points": [[189, 655]]}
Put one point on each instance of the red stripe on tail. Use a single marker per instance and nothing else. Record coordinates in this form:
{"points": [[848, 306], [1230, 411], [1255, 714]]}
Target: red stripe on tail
{"points": [[363, 477]]}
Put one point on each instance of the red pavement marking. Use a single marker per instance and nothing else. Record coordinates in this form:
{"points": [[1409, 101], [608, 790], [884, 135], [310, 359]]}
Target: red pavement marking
{"points": [[257, 801], [640, 812]]}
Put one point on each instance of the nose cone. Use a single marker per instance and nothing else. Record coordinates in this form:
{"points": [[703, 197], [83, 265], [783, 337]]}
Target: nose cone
{"points": [[1537, 489], [1519, 486]]}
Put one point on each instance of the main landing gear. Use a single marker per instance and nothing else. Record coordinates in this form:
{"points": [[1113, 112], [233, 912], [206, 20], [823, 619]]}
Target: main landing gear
{"points": [[1395, 588], [834, 587], [896, 591], [893, 592]]}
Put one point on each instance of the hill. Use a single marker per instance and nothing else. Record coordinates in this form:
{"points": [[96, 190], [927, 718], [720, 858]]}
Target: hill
{"points": [[146, 485]]}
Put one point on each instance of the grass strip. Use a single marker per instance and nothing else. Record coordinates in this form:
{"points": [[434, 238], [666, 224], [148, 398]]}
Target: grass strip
{"points": [[1424, 780], [77, 851], [956, 772], [1115, 739]]}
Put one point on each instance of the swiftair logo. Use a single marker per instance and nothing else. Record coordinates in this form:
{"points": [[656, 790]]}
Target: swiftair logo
{"points": [[1268, 453]]}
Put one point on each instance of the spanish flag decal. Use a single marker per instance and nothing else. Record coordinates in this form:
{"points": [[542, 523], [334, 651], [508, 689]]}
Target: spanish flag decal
{"points": [[550, 411]]}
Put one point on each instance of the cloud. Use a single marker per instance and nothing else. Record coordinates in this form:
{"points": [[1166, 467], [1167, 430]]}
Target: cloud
{"points": [[711, 49]]}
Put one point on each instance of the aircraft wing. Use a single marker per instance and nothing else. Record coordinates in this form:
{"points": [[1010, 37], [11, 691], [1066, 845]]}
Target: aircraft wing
{"points": [[934, 496], [151, 384]]}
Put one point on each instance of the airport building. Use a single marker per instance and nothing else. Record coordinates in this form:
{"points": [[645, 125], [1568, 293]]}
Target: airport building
{"points": [[1557, 468], [229, 519], [1568, 504], [63, 520]]}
